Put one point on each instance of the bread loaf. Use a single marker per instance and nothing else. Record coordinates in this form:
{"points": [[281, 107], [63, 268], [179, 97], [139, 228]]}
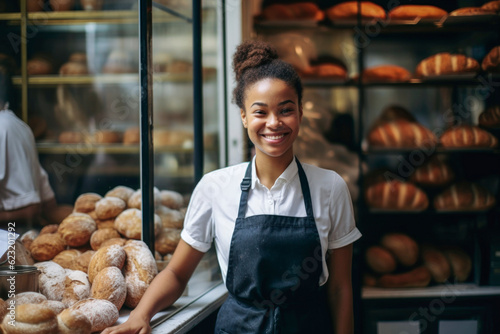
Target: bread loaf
{"points": [[412, 12], [46, 246], [170, 218], [109, 284], [54, 305], [67, 258], [76, 229], [100, 312], [135, 200], [435, 260], [51, 280], [396, 195], [107, 137], [108, 256], [51, 228], [114, 241], [167, 240], [293, 11], [446, 63], [132, 136], [490, 118], [464, 196], [467, 136], [386, 73], [129, 223], [493, 6], [82, 262], [27, 297], [380, 260], [403, 247], [39, 66], [467, 11], [415, 278], [433, 173], [99, 236], [349, 10], [460, 261], [3, 309], [105, 224], [109, 207], [330, 71], [122, 192], [73, 68], [31, 319], [76, 287], [86, 202], [73, 322], [401, 134]]}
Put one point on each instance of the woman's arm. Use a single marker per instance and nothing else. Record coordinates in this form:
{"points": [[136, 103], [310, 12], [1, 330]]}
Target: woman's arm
{"points": [[165, 289], [339, 287]]}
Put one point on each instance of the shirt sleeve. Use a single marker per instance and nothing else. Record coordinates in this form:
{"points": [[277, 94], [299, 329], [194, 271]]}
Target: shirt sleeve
{"points": [[343, 230], [197, 231]]}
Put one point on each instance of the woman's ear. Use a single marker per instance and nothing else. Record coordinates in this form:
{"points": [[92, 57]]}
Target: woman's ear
{"points": [[300, 113], [243, 118]]}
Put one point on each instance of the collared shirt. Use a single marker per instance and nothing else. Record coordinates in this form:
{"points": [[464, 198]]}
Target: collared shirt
{"points": [[214, 204]]}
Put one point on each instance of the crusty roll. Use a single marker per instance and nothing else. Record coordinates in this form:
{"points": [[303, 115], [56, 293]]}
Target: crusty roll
{"points": [[403, 247], [467, 136], [122, 192], [135, 200], [415, 278], [82, 262], [73, 322], [171, 199], [129, 223], [412, 12], [76, 287], [54, 305], [108, 256], [109, 284], [386, 73], [51, 228], [31, 318], [167, 240], [3, 309], [86, 202], [491, 62], [467, 11], [27, 297], [109, 207], [105, 224], [380, 260], [99, 236], [46, 246], [401, 134], [460, 261], [114, 241], [493, 6], [349, 10], [446, 63], [396, 195], [293, 11], [490, 118], [100, 312], [169, 217], [74, 68], [464, 196], [51, 280], [76, 229], [67, 258], [436, 262], [434, 172]]}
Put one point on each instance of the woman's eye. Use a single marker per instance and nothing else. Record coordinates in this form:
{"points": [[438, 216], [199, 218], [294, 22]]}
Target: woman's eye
{"points": [[285, 111]]}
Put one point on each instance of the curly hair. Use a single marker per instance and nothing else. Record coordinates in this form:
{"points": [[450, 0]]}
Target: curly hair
{"points": [[257, 60]]}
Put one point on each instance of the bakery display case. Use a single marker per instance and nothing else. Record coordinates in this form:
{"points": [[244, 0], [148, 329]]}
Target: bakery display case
{"points": [[420, 159]]}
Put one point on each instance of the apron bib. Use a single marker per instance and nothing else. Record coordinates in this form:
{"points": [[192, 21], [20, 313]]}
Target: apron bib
{"points": [[275, 263]]}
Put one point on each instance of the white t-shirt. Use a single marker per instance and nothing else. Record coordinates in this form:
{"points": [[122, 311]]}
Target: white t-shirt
{"points": [[214, 204], [23, 181]]}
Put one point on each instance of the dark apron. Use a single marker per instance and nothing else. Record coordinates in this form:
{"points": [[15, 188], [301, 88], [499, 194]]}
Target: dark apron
{"points": [[275, 263]]}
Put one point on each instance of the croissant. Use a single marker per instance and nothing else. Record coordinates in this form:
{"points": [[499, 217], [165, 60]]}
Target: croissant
{"points": [[396, 195], [468, 136], [446, 63], [411, 12], [490, 118], [401, 134], [433, 173], [386, 73], [349, 10], [491, 62], [464, 196]]}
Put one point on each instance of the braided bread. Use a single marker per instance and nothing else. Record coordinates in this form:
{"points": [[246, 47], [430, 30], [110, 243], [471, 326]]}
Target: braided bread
{"points": [[396, 195], [446, 63], [490, 118], [468, 136], [433, 173], [491, 62], [401, 134], [464, 196]]}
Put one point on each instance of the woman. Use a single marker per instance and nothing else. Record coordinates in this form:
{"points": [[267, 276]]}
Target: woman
{"points": [[283, 231]]}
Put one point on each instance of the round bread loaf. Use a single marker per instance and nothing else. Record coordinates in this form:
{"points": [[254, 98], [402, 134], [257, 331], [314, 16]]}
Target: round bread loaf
{"points": [[28, 237], [54, 305], [101, 235], [100, 312], [122, 192], [76, 287], [108, 223], [82, 262], [52, 228], [170, 218], [73, 68], [76, 229], [404, 248], [92, 215], [67, 258], [51, 280], [167, 240], [380, 260], [114, 241], [418, 277], [460, 261], [3, 309], [39, 66], [27, 297], [46, 246], [86, 202], [171, 199], [109, 207], [31, 319], [436, 262], [109, 284], [73, 322], [129, 223], [108, 256], [135, 201]]}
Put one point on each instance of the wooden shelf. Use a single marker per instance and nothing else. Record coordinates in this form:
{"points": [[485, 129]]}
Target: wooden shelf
{"points": [[458, 290]]}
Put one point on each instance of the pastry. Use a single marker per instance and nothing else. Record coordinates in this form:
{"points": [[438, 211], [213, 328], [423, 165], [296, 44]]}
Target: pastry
{"points": [[396, 195], [490, 118], [349, 10], [403, 247], [467, 136], [464, 196], [412, 12], [446, 63], [401, 134], [491, 62]]}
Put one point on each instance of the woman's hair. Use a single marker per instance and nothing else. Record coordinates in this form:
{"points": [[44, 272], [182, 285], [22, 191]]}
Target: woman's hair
{"points": [[256, 60]]}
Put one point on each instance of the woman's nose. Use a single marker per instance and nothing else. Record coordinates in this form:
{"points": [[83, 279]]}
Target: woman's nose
{"points": [[273, 120]]}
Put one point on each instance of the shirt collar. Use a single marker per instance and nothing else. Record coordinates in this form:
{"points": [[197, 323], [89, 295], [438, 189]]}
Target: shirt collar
{"points": [[288, 174]]}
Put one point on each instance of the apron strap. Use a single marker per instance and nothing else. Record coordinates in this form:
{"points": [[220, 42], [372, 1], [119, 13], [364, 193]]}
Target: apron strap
{"points": [[247, 181]]}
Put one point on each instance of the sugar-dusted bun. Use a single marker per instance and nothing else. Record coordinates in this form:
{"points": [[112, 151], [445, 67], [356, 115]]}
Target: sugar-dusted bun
{"points": [[46, 246], [460, 261], [490, 118], [122, 192], [109, 207], [403, 247], [114, 241], [468, 136], [28, 297], [412, 12], [51, 280], [54, 305], [169, 217], [109, 284], [82, 262], [349, 10], [76, 229], [100, 312], [101, 235], [113, 255], [171, 199], [386, 73], [380, 260], [464, 196], [52, 228], [28, 237], [396, 195], [129, 223], [135, 201], [417, 277], [73, 322], [31, 319], [436, 262], [86, 202], [67, 258], [132, 136], [76, 287], [104, 224], [167, 240], [140, 269]]}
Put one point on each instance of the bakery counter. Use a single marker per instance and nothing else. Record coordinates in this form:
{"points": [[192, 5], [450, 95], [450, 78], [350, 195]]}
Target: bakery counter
{"points": [[459, 290]]}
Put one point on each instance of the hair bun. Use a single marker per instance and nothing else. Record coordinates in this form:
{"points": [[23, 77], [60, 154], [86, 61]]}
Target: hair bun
{"points": [[250, 54]]}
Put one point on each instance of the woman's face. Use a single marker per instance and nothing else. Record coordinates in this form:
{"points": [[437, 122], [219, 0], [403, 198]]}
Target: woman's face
{"points": [[272, 117]]}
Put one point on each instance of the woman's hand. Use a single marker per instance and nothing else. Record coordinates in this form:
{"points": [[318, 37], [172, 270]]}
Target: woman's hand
{"points": [[133, 325]]}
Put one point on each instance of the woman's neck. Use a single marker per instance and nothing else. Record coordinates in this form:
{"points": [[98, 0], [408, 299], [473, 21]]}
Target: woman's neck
{"points": [[268, 168]]}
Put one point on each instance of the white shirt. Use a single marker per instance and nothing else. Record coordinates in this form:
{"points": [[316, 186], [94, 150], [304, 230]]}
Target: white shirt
{"points": [[23, 181], [214, 204]]}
